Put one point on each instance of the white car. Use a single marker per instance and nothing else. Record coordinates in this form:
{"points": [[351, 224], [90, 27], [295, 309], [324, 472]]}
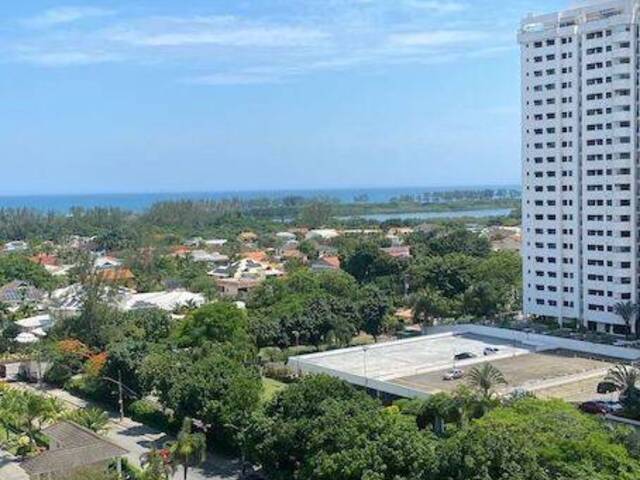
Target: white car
{"points": [[490, 351], [453, 374]]}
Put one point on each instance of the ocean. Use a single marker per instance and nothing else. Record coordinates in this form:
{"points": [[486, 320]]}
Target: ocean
{"points": [[138, 202]]}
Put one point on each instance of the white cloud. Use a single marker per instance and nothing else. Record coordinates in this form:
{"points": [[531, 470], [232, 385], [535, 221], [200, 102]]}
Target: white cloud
{"points": [[436, 38], [243, 47], [437, 6], [220, 31], [240, 78], [66, 58], [62, 15]]}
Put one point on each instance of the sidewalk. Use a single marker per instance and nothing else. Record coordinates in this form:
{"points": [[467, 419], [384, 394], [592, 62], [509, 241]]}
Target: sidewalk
{"points": [[139, 439], [9, 467]]}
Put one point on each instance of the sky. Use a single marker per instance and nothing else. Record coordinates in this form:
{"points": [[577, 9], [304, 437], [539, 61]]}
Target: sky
{"points": [[218, 95]]}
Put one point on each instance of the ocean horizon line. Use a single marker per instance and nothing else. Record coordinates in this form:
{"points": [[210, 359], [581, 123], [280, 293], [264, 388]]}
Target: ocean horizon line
{"points": [[137, 202]]}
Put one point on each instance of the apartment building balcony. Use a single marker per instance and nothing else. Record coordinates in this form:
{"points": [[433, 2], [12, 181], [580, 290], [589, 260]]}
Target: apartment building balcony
{"points": [[619, 68], [619, 84], [617, 37], [621, 116]]}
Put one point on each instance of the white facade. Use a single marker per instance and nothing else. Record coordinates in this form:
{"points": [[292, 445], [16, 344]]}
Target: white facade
{"points": [[579, 154]]}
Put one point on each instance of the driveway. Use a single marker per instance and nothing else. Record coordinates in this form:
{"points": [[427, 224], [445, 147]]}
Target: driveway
{"points": [[139, 439]]}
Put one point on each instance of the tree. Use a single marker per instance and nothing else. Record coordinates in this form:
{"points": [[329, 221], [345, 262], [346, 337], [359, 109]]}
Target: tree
{"points": [[297, 437], [367, 262], [624, 377], [216, 383], [536, 440], [374, 308], [452, 274], [188, 449], [94, 419], [450, 239], [438, 410], [316, 213], [486, 378], [429, 305], [157, 467], [27, 412], [19, 267], [481, 300], [627, 311], [215, 322]]}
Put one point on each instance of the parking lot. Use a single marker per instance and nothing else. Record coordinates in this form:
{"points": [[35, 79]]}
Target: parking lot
{"points": [[554, 371], [412, 357], [415, 367]]}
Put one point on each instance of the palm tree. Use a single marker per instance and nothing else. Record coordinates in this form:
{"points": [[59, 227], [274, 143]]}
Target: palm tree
{"points": [[485, 379], [36, 411], [624, 378], [94, 419], [188, 447], [157, 468], [627, 311]]}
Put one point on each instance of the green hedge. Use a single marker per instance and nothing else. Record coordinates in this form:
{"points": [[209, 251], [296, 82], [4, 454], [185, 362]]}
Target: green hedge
{"points": [[144, 411]]}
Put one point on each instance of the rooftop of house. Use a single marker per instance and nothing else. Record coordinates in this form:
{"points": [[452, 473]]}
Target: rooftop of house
{"points": [[106, 262], [332, 262], [117, 274], [38, 321], [71, 447], [19, 291], [398, 251], [256, 256], [165, 300], [45, 259]]}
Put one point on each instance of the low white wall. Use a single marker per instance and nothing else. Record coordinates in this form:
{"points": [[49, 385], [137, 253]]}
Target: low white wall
{"points": [[378, 385], [629, 354]]}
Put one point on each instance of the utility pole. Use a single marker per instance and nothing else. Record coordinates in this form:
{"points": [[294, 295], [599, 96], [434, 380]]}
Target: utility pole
{"points": [[121, 391], [120, 396]]}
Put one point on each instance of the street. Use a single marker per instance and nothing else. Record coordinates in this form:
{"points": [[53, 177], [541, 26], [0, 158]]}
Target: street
{"points": [[139, 439]]}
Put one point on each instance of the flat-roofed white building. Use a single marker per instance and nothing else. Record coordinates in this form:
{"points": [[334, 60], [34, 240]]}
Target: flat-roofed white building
{"points": [[579, 154]]}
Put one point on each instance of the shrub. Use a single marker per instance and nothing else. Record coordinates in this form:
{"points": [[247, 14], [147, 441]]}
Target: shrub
{"points": [[58, 374], [280, 372], [148, 413], [271, 354], [90, 388], [300, 350]]}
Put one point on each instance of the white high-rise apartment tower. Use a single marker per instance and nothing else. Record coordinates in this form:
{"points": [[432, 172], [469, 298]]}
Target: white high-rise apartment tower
{"points": [[580, 111]]}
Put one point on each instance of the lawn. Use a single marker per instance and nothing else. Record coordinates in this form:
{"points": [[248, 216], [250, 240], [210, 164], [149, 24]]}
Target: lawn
{"points": [[271, 387]]}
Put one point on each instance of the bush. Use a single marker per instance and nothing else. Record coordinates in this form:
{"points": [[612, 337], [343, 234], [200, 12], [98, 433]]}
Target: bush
{"points": [[90, 388], [300, 350], [280, 372], [58, 374], [271, 354], [148, 413]]}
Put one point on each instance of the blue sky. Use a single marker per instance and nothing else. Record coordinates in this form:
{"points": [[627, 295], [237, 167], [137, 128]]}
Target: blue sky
{"points": [[175, 95]]}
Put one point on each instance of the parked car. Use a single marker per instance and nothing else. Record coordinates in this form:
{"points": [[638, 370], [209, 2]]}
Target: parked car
{"points": [[453, 374], [490, 351], [606, 387], [463, 356], [611, 406], [595, 408]]}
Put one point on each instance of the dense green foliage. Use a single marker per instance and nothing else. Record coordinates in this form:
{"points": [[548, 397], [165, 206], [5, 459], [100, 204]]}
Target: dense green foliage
{"points": [[323, 429], [19, 267]]}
